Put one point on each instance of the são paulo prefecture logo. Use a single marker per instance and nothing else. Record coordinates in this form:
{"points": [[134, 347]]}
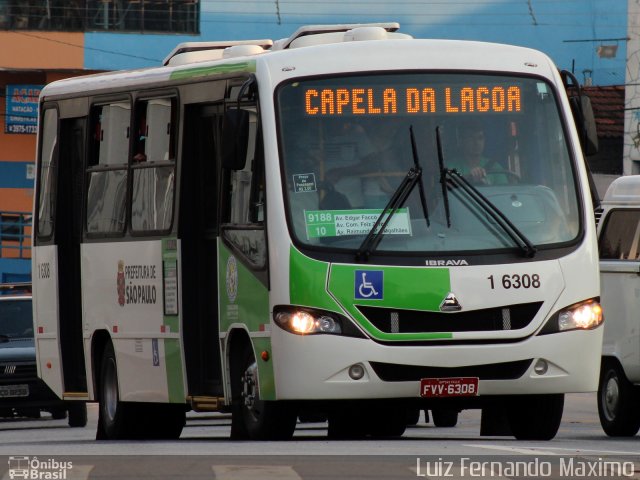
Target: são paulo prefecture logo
{"points": [[232, 278], [120, 283]]}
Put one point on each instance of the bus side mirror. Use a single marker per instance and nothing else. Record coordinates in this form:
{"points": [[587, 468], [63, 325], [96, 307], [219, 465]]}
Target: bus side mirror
{"points": [[585, 123], [235, 139]]}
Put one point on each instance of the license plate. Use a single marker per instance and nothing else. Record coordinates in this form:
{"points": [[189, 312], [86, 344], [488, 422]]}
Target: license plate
{"points": [[7, 391], [449, 387]]}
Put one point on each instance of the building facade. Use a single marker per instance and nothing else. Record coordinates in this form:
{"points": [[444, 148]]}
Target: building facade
{"points": [[30, 62]]}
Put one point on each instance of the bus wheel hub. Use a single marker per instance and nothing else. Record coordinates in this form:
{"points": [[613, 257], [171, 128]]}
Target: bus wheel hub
{"points": [[249, 385]]}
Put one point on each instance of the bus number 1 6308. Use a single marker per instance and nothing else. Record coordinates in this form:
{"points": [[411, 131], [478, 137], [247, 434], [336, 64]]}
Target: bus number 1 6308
{"points": [[516, 281]]}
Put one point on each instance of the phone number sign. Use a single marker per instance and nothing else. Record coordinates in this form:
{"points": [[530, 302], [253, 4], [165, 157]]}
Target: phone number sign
{"points": [[22, 108]]}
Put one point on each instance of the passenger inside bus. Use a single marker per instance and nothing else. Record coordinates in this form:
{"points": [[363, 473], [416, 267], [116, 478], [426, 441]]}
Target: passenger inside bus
{"points": [[470, 159], [141, 137]]}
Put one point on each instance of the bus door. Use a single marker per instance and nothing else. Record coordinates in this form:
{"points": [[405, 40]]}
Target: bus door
{"points": [[198, 233], [68, 235]]}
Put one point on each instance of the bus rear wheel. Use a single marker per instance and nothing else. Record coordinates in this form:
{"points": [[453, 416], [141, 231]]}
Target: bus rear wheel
{"points": [[115, 417], [128, 420], [259, 419], [618, 401], [535, 417]]}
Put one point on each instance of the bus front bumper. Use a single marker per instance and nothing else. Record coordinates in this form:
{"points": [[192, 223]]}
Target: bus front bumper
{"points": [[317, 367]]}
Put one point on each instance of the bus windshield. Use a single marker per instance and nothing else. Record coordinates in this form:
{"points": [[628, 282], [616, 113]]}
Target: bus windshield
{"points": [[346, 147]]}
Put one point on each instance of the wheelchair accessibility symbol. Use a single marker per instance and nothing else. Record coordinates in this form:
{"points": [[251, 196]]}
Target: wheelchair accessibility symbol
{"points": [[369, 284]]}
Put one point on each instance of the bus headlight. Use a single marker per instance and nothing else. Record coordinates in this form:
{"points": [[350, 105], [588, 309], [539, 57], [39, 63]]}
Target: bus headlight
{"points": [[581, 316], [586, 317], [307, 321]]}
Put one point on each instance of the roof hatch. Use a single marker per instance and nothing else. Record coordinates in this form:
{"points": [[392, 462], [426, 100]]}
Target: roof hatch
{"points": [[191, 52], [322, 34]]}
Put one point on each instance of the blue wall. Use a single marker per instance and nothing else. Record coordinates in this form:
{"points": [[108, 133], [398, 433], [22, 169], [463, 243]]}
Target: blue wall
{"points": [[14, 175], [13, 271], [567, 30]]}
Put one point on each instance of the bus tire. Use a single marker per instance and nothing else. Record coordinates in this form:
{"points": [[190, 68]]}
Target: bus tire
{"points": [[115, 417], [618, 401], [263, 420], [444, 417], [78, 415], [535, 417]]}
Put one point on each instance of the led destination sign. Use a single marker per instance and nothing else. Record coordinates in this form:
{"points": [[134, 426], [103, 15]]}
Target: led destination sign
{"points": [[411, 100]]}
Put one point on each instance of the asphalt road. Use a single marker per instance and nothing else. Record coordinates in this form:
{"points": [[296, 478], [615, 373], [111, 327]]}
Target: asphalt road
{"points": [[424, 451]]}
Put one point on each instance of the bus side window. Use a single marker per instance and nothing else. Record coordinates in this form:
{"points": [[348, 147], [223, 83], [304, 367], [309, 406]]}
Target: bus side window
{"points": [[241, 181], [48, 167], [244, 225], [107, 168], [153, 165]]}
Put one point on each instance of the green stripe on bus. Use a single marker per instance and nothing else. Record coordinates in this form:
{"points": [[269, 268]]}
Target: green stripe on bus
{"points": [[173, 363], [266, 377], [308, 282], [249, 67], [245, 300], [170, 269], [406, 288], [172, 349], [403, 288]]}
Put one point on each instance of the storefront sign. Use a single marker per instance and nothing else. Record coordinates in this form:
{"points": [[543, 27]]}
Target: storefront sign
{"points": [[22, 108]]}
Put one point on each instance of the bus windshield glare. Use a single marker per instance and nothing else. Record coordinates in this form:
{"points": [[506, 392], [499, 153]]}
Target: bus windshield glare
{"points": [[346, 147]]}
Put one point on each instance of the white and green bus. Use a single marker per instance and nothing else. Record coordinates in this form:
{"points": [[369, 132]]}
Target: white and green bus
{"points": [[298, 228]]}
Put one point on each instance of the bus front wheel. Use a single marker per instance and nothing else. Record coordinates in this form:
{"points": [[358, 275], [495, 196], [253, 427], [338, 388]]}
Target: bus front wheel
{"points": [[535, 417], [618, 401], [259, 419]]}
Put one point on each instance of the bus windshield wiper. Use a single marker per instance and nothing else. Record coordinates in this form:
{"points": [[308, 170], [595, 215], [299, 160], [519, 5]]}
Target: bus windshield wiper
{"points": [[443, 178], [400, 195], [519, 238]]}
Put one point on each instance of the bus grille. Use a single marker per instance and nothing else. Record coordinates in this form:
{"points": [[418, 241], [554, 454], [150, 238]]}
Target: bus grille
{"points": [[508, 317], [11, 372], [389, 372]]}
